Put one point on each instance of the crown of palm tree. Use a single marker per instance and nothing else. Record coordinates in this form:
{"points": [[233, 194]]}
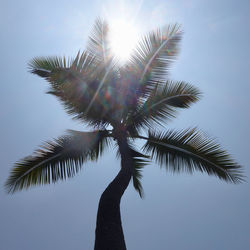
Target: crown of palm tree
{"points": [[132, 98]]}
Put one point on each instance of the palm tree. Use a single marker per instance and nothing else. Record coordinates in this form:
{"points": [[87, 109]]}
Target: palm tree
{"points": [[121, 103]]}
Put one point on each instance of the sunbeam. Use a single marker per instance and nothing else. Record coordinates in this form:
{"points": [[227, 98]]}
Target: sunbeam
{"points": [[123, 38]]}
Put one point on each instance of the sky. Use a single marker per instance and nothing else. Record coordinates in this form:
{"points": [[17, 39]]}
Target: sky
{"points": [[179, 212]]}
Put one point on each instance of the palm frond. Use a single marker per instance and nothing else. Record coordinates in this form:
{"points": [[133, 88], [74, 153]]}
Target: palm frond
{"points": [[98, 44], [81, 86], [153, 56], [60, 70], [48, 63], [190, 150], [57, 160], [162, 103]]}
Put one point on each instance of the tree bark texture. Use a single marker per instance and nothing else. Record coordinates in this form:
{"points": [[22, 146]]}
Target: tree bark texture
{"points": [[109, 233]]}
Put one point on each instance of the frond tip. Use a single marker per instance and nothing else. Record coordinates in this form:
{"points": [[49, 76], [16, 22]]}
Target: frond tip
{"points": [[190, 150], [98, 44], [57, 160]]}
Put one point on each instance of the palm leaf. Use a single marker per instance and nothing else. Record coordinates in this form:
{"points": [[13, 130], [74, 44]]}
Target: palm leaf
{"points": [[152, 57], [190, 150], [81, 86], [60, 70], [162, 104], [48, 63], [57, 160], [98, 44]]}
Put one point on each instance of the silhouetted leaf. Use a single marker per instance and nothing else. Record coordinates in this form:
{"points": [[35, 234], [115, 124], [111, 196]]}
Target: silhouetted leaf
{"points": [[57, 160], [162, 103], [190, 150], [153, 56]]}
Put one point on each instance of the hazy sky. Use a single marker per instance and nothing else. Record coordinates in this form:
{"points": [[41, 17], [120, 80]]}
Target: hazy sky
{"points": [[179, 212]]}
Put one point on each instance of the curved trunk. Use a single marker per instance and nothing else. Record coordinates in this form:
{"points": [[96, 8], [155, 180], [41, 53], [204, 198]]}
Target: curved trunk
{"points": [[109, 233]]}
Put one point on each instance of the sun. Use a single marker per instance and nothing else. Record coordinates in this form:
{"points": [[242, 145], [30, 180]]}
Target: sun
{"points": [[123, 39]]}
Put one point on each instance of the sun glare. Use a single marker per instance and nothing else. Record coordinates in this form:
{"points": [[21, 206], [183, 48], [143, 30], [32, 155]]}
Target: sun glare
{"points": [[123, 39]]}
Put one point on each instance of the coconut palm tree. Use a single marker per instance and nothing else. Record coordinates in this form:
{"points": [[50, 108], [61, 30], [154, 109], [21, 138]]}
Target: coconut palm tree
{"points": [[121, 103]]}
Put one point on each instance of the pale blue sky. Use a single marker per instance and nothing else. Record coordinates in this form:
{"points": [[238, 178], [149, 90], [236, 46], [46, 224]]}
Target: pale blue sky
{"points": [[179, 212]]}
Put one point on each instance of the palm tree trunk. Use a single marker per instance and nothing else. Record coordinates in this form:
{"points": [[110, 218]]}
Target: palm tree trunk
{"points": [[109, 233]]}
